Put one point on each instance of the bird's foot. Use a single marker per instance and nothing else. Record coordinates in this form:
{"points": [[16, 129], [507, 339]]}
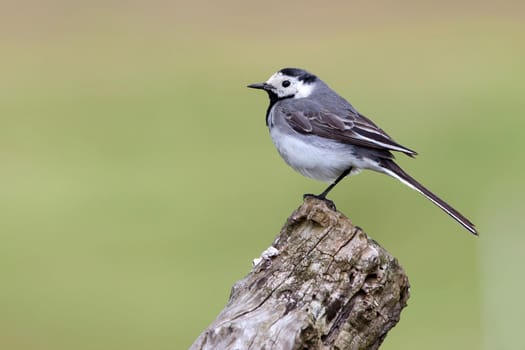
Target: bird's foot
{"points": [[328, 202]]}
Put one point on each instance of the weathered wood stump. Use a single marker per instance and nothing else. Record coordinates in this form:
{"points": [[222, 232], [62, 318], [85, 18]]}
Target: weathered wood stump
{"points": [[323, 284]]}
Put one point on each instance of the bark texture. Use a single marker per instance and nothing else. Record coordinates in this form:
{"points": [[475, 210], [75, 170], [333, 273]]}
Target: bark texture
{"points": [[323, 284]]}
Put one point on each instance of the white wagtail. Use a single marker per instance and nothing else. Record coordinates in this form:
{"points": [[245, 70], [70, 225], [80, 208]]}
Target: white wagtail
{"points": [[322, 136]]}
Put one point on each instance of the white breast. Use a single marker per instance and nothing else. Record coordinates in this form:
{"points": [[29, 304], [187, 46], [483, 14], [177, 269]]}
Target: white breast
{"points": [[315, 157]]}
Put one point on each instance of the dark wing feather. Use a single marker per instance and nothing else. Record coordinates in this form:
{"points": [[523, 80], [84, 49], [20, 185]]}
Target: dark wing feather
{"points": [[349, 126]]}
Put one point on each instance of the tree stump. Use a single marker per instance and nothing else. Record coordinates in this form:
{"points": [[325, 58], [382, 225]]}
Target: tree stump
{"points": [[323, 284]]}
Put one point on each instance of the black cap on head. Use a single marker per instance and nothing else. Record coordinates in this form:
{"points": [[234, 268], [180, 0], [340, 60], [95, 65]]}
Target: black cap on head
{"points": [[300, 74]]}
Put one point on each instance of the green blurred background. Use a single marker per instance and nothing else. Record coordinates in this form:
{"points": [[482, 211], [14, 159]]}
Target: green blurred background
{"points": [[138, 179]]}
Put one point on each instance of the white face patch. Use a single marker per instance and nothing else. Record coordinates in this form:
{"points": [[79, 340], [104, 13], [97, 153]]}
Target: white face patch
{"points": [[285, 86]]}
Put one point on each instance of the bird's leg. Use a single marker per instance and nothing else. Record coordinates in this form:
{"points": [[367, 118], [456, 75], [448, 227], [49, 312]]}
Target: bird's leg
{"points": [[323, 195], [329, 188]]}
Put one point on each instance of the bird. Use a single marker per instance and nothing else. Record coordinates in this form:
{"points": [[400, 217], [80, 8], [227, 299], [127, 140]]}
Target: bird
{"points": [[322, 136]]}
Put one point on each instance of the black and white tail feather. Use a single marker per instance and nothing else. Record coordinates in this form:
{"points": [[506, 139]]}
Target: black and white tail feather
{"points": [[389, 167]]}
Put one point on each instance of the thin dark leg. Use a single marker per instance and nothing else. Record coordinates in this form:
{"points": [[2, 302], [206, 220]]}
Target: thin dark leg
{"points": [[329, 188]]}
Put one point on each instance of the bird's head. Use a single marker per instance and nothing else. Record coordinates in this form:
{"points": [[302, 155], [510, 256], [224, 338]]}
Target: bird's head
{"points": [[288, 83]]}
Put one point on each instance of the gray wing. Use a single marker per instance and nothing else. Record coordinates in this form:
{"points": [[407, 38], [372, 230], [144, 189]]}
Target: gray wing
{"points": [[345, 126]]}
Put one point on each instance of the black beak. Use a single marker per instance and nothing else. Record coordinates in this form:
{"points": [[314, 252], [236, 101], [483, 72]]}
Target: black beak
{"points": [[260, 86]]}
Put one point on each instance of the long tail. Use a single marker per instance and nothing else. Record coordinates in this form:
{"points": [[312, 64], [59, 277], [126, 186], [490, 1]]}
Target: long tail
{"points": [[389, 167]]}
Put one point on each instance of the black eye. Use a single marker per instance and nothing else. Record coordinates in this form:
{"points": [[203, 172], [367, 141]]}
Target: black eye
{"points": [[286, 83]]}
